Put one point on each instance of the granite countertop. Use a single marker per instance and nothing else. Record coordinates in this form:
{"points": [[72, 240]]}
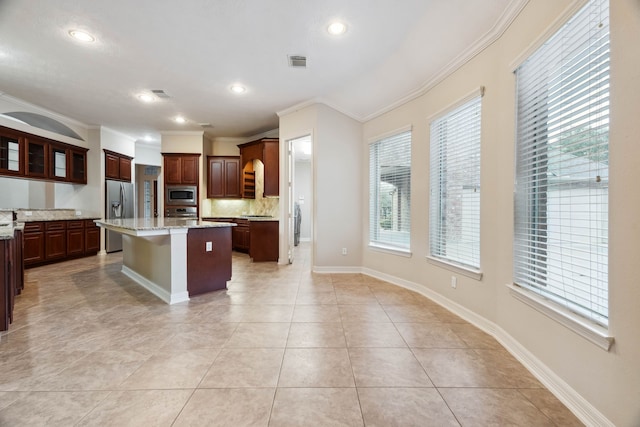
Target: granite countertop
{"points": [[7, 230], [148, 224], [59, 218]]}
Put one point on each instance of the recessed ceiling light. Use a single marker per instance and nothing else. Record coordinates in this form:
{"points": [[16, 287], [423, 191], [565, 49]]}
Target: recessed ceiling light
{"points": [[238, 88], [148, 138], [145, 97], [82, 36], [337, 28], [180, 119]]}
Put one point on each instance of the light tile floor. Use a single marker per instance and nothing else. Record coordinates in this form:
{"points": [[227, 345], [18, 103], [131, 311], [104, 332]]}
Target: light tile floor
{"points": [[280, 347]]}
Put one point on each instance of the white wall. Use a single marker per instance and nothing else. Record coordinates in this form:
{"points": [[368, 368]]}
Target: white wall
{"points": [[37, 194], [593, 377], [146, 154]]}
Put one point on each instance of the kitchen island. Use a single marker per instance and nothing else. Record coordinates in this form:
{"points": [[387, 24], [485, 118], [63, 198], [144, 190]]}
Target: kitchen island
{"points": [[174, 258]]}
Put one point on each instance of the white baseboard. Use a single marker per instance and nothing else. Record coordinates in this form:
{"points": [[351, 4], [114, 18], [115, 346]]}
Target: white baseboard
{"points": [[154, 288], [577, 404], [328, 270]]}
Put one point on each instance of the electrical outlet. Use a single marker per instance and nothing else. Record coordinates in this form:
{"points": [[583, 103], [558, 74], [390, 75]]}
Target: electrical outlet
{"points": [[454, 282], [209, 246], [344, 251], [28, 213]]}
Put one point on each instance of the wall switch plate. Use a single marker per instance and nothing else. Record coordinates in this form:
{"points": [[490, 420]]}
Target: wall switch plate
{"points": [[454, 282], [78, 213], [209, 246], [344, 251]]}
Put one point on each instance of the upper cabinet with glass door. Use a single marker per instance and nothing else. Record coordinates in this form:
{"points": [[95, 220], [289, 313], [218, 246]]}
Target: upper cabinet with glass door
{"points": [[35, 157], [11, 154]]}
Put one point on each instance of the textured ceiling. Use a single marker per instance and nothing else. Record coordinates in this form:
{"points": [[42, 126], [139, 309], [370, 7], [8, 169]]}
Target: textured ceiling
{"points": [[195, 49]]}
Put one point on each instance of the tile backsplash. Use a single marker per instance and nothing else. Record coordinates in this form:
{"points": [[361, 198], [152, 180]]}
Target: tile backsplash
{"points": [[234, 207]]}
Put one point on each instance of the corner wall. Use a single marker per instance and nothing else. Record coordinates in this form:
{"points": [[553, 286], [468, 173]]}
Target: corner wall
{"points": [[337, 186]]}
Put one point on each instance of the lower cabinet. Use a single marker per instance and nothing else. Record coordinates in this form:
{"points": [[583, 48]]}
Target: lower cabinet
{"points": [[260, 239], [55, 236], [75, 238], [33, 246], [91, 237], [241, 235], [54, 241]]}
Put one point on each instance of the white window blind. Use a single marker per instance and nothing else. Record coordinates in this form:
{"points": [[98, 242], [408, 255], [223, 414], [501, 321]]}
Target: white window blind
{"points": [[390, 192], [454, 204], [562, 172]]}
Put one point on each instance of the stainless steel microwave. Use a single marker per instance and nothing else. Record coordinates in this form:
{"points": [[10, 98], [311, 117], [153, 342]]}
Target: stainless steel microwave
{"points": [[181, 195]]}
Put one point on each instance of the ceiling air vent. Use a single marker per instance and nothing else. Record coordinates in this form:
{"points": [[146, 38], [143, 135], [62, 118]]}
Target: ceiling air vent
{"points": [[297, 61], [206, 125], [160, 93]]}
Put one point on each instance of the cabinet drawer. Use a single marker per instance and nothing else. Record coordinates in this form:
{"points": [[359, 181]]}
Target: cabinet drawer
{"points": [[55, 225], [88, 223], [33, 227], [241, 222], [75, 224]]}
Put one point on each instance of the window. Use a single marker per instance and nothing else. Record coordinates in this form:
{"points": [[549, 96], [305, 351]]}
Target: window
{"points": [[390, 192], [562, 168], [454, 204]]}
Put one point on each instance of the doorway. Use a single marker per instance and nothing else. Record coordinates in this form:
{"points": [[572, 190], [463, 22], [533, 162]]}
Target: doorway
{"points": [[300, 195]]}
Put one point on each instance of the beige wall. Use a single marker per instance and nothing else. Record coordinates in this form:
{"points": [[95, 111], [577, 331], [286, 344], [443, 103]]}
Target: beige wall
{"points": [[583, 372], [337, 185]]}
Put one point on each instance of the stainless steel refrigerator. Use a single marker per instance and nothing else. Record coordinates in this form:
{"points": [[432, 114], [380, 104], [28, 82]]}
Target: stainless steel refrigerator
{"points": [[119, 204]]}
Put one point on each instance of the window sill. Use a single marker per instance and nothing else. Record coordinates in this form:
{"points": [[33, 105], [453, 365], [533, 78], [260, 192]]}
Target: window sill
{"points": [[590, 331], [465, 271], [391, 250]]}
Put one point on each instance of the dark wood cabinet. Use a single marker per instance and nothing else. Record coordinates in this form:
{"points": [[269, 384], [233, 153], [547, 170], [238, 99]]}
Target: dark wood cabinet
{"points": [[241, 235], [11, 276], [223, 177], [7, 290], [11, 153], [54, 241], [181, 168], [78, 173], [125, 168], [75, 238], [37, 153], [36, 157], [91, 237], [259, 238], [267, 151], [117, 166], [33, 243]]}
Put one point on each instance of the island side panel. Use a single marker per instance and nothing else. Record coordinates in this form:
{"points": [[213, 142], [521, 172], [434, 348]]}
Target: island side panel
{"points": [[148, 262], [208, 271]]}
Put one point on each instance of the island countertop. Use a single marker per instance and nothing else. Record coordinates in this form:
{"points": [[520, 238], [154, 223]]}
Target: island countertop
{"points": [[156, 226]]}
